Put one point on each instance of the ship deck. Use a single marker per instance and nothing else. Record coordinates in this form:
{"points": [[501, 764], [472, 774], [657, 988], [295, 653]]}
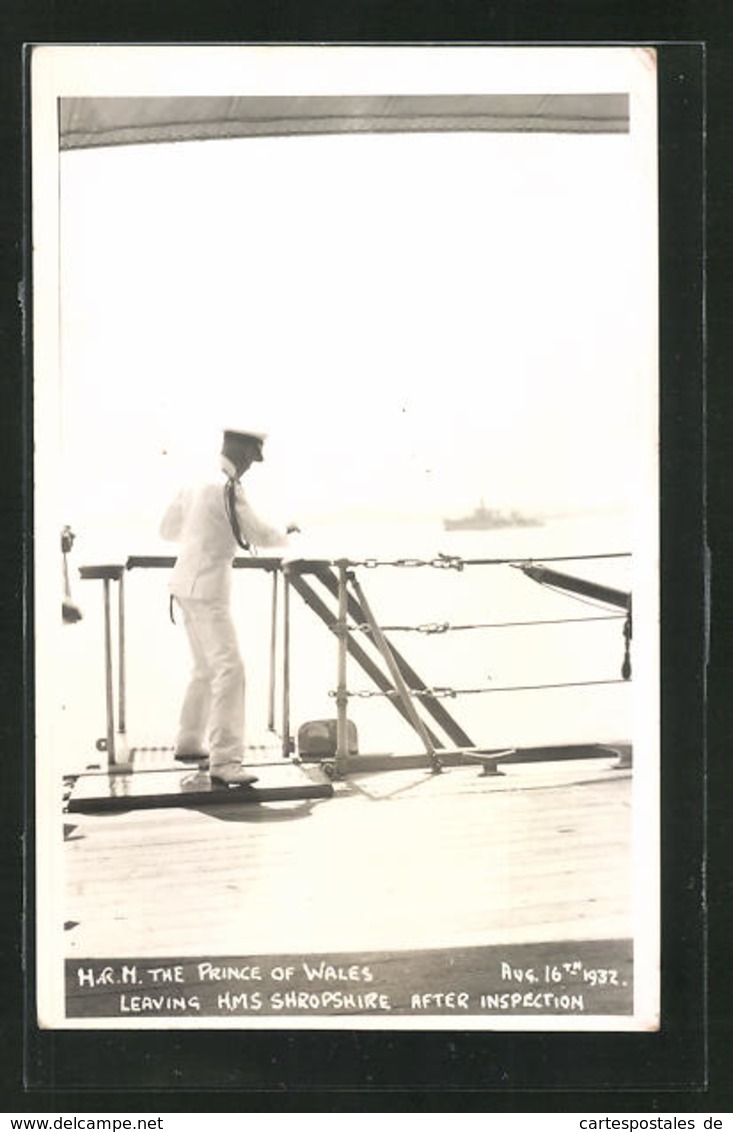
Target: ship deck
{"points": [[401, 863]]}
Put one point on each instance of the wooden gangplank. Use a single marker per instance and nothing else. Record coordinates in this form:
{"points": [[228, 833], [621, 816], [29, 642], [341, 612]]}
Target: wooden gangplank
{"points": [[108, 791]]}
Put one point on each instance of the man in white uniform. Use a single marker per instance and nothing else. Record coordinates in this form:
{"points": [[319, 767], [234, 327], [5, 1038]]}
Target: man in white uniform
{"points": [[210, 522]]}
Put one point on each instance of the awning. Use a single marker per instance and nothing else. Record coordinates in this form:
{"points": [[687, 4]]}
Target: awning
{"points": [[88, 122]]}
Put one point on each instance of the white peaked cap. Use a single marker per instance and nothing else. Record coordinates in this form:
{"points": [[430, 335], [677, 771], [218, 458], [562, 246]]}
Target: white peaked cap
{"points": [[245, 430]]}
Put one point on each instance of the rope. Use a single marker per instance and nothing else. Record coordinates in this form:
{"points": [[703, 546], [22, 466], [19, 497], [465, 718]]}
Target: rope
{"points": [[575, 557], [446, 627], [451, 693]]}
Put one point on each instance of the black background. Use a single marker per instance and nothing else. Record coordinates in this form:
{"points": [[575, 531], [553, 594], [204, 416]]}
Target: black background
{"points": [[684, 1068]]}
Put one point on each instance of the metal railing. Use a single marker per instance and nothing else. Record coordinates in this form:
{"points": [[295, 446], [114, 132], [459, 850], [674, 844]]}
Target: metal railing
{"points": [[331, 589]]}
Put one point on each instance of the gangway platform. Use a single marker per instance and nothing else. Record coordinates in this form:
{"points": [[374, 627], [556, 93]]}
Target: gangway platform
{"points": [[97, 791], [334, 593]]}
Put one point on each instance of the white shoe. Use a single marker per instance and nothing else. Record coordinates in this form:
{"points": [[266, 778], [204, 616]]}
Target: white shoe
{"points": [[231, 774]]}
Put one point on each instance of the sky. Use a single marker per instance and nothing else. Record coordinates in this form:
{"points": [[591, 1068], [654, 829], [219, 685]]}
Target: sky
{"points": [[418, 321]]}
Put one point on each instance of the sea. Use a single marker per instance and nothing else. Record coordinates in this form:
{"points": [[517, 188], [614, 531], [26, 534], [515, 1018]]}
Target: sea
{"points": [[518, 664]]}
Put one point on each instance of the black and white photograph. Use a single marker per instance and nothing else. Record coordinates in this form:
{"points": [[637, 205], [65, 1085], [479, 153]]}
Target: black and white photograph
{"points": [[346, 492]]}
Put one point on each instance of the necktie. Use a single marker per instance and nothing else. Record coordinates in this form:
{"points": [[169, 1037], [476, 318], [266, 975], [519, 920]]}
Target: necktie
{"points": [[230, 503]]}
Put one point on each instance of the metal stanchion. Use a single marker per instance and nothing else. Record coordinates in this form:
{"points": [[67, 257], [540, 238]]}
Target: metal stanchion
{"points": [[115, 741], [109, 693], [121, 753], [287, 745], [273, 652], [342, 698]]}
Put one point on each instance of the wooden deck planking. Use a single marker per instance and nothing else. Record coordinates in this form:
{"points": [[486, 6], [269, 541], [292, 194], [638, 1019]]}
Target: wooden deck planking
{"points": [[393, 861]]}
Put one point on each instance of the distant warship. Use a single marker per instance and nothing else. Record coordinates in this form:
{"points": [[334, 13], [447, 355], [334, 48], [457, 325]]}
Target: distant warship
{"points": [[484, 518]]}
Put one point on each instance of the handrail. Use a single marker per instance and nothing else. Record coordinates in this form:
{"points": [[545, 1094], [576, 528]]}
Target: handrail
{"points": [[167, 562], [404, 682], [272, 562]]}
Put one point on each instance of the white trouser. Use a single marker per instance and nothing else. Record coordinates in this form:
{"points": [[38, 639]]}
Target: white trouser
{"points": [[213, 706]]}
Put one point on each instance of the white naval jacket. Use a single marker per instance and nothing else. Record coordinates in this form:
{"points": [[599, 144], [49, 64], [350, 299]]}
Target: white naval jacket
{"points": [[197, 519]]}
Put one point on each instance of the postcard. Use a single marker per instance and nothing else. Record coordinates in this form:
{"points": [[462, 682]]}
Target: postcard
{"points": [[345, 378]]}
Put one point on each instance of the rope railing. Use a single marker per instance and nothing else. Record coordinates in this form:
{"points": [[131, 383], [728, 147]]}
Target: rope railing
{"points": [[441, 693], [435, 627], [455, 562], [437, 562]]}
